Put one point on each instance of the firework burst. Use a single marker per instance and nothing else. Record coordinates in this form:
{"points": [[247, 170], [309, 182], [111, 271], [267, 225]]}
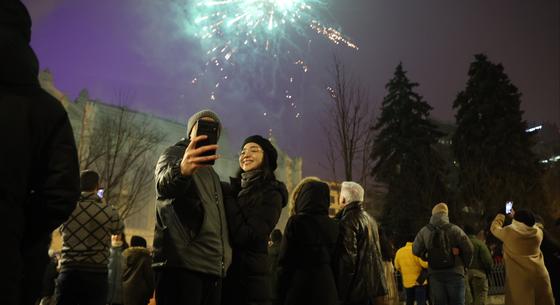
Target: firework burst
{"points": [[238, 33]]}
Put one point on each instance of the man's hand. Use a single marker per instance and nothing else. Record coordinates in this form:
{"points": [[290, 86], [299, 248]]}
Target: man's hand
{"points": [[192, 159]]}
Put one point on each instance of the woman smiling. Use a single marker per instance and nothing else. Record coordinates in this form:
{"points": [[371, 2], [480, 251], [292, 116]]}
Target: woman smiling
{"points": [[251, 218]]}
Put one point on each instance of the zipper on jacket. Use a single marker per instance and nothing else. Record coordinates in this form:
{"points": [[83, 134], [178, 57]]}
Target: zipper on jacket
{"points": [[221, 233]]}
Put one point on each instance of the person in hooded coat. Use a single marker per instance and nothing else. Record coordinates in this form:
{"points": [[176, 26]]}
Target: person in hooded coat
{"points": [[527, 279], [39, 172], [138, 276], [251, 218], [305, 261]]}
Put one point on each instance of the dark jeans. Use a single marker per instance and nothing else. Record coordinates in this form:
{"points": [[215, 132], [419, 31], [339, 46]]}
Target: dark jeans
{"points": [[416, 293], [185, 287], [447, 289], [75, 287]]}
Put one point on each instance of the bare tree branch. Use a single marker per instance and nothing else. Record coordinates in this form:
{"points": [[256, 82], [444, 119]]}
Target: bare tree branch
{"points": [[120, 148], [349, 121]]}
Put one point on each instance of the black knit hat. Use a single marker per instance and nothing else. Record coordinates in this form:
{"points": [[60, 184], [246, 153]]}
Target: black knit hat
{"points": [[267, 147], [525, 216]]}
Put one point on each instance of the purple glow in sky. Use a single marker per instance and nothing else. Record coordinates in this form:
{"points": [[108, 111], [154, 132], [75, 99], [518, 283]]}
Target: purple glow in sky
{"points": [[139, 46]]}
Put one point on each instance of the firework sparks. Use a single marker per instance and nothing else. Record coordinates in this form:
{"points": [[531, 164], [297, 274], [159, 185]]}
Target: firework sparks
{"points": [[238, 33], [332, 34]]}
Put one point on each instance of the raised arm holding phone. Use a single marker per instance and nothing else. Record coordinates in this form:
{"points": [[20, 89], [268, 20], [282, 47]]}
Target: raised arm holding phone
{"points": [[527, 279], [191, 245]]}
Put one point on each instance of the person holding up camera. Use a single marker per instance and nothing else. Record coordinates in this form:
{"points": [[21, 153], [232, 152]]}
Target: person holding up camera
{"points": [[527, 279], [191, 246]]}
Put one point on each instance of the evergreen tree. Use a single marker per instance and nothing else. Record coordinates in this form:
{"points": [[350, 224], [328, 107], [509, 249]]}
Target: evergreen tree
{"points": [[405, 159], [491, 145]]}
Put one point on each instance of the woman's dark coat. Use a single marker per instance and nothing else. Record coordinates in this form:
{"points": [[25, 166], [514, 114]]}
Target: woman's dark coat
{"points": [[305, 272], [251, 218]]}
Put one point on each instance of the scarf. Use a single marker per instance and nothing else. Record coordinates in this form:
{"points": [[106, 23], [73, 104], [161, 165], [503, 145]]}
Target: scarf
{"points": [[249, 179]]}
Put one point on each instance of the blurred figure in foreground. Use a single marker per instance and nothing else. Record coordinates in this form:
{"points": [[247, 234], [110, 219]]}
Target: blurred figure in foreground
{"points": [[39, 173]]}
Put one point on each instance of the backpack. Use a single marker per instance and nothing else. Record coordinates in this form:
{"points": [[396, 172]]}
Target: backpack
{"points": [[440, 255]]}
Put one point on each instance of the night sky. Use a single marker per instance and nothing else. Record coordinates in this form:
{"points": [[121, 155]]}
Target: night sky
{"points": [[140, 46]]}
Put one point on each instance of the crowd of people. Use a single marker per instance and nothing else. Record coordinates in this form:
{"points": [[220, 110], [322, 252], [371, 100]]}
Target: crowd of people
{"points": [[214, 241], [211, 243]]}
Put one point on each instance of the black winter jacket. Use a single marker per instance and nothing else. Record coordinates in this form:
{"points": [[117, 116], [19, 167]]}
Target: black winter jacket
{"points": [[251, 219], [39, 172], [305, 261], [359, 268], [180, 214]]}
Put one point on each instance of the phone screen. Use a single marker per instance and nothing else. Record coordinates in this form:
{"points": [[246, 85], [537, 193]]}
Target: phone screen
{"points": [[509, 206], [210, 129]]}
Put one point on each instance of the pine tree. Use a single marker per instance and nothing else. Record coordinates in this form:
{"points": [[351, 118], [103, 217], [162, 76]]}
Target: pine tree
{"points": [[491, 145], [405, 159]]}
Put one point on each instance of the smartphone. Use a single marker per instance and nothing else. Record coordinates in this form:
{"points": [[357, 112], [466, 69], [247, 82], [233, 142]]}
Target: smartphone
{"points": [[509, 207], [210, 129], [100, 193]]}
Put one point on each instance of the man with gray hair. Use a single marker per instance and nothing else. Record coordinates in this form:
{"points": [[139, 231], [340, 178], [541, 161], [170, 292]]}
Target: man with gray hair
{"points": [[358, 266]]}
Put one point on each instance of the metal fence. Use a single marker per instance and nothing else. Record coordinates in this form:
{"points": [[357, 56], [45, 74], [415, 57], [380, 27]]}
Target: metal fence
{"points": [[497, 279]]}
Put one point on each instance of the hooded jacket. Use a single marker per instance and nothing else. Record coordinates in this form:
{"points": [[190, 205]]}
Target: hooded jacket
{"points": [[457, 239], [360, 275], [305, 260], [527, 280], [409, 265], [251, 219], [39, 173], [138, 276], [190, 232]]}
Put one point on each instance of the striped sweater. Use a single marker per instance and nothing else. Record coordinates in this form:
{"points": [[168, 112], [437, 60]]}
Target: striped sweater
{"points": [[86, 235]]}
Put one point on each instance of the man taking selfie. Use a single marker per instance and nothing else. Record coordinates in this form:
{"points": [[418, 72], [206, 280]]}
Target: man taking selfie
{"points": [[191, 246]]}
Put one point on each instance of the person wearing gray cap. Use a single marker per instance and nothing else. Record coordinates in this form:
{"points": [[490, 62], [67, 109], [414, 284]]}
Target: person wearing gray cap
{"points": [[191, 245]]}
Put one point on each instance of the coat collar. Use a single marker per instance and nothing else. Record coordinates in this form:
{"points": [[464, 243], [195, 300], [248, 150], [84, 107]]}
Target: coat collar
{"points": [[356, 205], [439, 219]]}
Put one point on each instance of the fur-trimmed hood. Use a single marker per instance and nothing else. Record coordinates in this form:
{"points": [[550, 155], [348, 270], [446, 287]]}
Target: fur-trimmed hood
{"points": [[136, 251]]}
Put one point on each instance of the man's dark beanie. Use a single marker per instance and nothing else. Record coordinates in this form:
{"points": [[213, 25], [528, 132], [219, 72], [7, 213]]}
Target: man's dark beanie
{"points": [[267, 147], [138, 241]]}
